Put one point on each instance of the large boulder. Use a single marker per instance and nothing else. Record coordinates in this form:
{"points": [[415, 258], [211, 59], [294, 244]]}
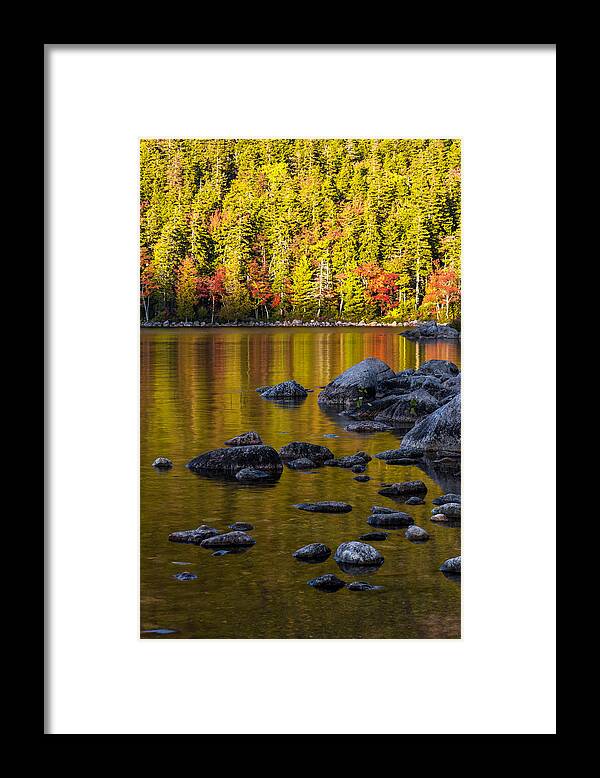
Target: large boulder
{"points": [[409, 408], [298, 450], [437, 433], [356, 385], [287, 390], [229, 461], [356, 553], [431, 330], [246, 439]]}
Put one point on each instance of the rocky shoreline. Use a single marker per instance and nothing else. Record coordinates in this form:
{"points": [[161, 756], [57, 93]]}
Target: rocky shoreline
{"points": [[430, 330]]}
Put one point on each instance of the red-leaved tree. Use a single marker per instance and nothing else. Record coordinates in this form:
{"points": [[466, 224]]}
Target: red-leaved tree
{"points": [[442, 289], [212, 288], [380, 285], [259, 286]]}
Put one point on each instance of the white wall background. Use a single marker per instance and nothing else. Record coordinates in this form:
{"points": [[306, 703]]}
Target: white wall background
{"points": [[499, 678]]}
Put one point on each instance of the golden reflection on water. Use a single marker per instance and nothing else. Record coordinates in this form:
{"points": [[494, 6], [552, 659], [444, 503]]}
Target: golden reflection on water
{"points": [[198, 390]]}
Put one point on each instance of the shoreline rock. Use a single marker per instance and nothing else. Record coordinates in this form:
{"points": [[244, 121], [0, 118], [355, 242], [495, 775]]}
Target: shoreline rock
{"points": [[431, 330], [356, 384]]}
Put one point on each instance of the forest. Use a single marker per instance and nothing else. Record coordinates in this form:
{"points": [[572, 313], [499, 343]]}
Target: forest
{"points": [[325, 229]]}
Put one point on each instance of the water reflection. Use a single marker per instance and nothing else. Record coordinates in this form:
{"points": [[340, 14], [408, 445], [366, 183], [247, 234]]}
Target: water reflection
{"points": [[198, 390]]}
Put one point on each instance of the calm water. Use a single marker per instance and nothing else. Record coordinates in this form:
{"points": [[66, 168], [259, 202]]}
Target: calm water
{"points": [[197, 390]]}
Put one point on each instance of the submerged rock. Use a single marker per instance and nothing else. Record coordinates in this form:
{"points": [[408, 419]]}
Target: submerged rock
{"points": [[318, 455], [367, 426], [185, 576], [229, 539], [246, 439], [391, 520], [374, 536], [195, 536], [414, 501], [446, 498], [162, 463], [354, 552], [362, 586], [317, 552], [416, 533], [403, 489], [287, 390], [362, 478], [327, 506], [382, 509], [241, 526], [251, 474], [358, 468], [356, 384], [327, 583], [451, 565], [437, 433], [229, 461]]}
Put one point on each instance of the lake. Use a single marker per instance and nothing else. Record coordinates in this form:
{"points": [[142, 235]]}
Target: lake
{"points": [[198, 390]]}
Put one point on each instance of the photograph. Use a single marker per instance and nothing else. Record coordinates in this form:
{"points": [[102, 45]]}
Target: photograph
{"points": [[267, 267], [300, 430]]}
